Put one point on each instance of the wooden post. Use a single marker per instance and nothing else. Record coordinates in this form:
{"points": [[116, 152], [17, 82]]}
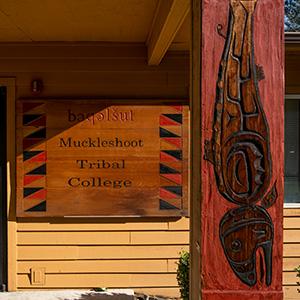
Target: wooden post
{"points": [[11, 185], [196, 153], [241, 119]]}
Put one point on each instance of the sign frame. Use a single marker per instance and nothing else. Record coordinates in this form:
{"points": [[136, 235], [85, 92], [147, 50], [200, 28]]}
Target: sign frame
{"points": [[33, 131]]}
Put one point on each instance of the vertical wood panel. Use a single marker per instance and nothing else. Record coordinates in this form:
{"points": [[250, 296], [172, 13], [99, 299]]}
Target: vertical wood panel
{"points": [[196, 152], [11, 195], [227, 102], [292, 73]]}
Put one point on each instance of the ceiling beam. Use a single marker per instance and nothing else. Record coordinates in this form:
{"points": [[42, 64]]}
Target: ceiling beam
{"points": [[168, 19]]}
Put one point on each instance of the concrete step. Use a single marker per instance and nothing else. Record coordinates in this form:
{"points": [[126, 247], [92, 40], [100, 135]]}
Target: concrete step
{"points": [[124, 294]]}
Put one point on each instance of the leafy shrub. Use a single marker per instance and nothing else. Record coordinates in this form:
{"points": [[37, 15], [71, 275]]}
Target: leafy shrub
{"points": [[298, 275], [183, 270]]}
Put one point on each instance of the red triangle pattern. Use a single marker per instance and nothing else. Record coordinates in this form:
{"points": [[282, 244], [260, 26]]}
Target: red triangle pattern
{"points": [[177, 178], [31, 178], [41, 194], [28, 142], [163, 120], [167, 158], [174, 141], [164, 194], [42, 157]]}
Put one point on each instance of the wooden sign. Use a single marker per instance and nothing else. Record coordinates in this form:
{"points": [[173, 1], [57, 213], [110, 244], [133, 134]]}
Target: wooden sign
{"points": [[91, 158], [242, 170]]}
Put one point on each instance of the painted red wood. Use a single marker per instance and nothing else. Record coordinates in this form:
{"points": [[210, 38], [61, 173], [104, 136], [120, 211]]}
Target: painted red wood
{"points": [[218, 279]]}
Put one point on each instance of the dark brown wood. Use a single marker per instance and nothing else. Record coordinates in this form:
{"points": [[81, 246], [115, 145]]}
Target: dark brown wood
{"points": [[91, 158], [196, 153]]}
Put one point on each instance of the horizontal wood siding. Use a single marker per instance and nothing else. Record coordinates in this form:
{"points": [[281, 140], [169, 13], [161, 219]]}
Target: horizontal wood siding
{"points": [[86, 255], [128, 253], [138, 255], [94, 71], [291, 252]]}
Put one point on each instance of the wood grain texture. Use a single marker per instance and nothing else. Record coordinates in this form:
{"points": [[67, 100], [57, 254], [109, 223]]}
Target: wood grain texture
{"points": [[88, 157], [215, 18], [196, 150]]}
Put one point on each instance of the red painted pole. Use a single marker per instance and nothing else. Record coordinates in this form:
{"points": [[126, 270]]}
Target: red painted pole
{"points": [[242, 94]]}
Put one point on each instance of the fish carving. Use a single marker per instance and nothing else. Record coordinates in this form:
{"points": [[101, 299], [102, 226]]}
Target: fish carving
{"points": [[240, 147], [242, 231]]}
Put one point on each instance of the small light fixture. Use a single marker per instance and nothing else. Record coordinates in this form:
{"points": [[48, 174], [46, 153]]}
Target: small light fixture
{"points": [[36, 86]]}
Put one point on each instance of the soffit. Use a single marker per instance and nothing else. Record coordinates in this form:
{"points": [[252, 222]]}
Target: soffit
{"points": [[183, 37], [76, 20], [90, 20]]}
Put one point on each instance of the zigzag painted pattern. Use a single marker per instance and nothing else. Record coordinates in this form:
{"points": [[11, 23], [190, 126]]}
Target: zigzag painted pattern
{"points": [[170, 132], [34, 157]]}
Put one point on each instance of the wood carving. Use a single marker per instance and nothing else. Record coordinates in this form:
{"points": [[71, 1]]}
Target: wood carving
{"points": [[240, 150]]}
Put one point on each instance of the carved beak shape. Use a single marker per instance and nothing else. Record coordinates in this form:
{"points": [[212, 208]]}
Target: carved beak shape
{"points": [[242, 232]]}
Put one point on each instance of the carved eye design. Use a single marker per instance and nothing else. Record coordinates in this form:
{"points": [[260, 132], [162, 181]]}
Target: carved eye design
{"points": [[236, 245]]}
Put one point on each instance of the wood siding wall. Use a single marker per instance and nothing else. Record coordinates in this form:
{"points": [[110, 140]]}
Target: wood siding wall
{"points": [[85, 253], [291, 252]]}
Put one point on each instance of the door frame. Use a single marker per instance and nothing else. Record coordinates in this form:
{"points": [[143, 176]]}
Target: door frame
{"points": [[10, 84]]}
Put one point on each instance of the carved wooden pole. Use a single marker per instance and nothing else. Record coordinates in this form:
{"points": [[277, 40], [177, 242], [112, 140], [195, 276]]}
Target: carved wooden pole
{"points": [[242, 92]]}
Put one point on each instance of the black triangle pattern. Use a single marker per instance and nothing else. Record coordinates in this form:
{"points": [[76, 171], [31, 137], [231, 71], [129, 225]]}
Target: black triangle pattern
{"points": [[30, 154], [166, 205], [41, 170], [29, 191], [39, 207], [27, 119], [163, 169], [177, 190], [174, 117], [175, 153], [37, 120], [164, 133], [39, 134]]}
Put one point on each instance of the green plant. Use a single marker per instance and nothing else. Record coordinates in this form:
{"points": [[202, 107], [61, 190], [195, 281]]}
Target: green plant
{"points": [[183, 274], [298, 275]]}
